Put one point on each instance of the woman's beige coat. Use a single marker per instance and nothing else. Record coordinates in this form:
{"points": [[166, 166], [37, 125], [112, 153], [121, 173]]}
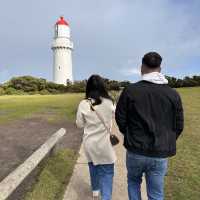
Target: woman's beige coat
{"points": [[96, 140]]}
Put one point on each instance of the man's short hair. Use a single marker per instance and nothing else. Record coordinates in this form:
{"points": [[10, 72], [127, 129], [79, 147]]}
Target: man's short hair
{"points": [[152, 60]]}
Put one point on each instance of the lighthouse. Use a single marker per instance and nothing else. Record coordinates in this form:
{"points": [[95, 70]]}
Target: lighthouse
{"points": [[62, 53]]}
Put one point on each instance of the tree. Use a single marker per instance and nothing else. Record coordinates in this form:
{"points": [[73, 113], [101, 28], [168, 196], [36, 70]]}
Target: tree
{"points": [[32, 85]]}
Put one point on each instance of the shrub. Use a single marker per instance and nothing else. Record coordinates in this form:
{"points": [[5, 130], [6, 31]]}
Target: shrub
{"points": [[32, 85], [77, 86], [44, 92], [27, 83], [2, 91], [13, 91]]}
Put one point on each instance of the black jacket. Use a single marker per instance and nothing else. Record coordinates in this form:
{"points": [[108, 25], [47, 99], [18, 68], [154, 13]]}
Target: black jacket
{"points": [[150, 116]]}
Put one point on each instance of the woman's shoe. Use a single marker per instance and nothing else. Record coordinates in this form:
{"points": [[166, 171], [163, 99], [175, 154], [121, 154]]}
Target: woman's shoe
{"points": [[95, 195]]}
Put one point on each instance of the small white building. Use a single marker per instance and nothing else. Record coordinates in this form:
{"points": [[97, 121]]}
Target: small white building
{"points": [[62, 53]]}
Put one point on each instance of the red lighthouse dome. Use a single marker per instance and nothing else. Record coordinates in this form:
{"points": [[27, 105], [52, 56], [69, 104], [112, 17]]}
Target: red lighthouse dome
{"points": [[62, 21]]}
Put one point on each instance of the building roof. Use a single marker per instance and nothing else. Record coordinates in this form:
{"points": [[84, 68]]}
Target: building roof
{"points": [[62, 21]]}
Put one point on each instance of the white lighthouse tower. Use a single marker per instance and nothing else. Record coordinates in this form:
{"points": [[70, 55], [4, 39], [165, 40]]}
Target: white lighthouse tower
{"points": [[62, 53]]}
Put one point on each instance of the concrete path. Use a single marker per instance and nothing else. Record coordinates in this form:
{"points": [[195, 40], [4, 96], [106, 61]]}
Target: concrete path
{"points": [[79, 186]]}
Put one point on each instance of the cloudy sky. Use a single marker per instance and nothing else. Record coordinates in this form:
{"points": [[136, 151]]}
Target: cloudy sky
{"points": [[110, 36]]}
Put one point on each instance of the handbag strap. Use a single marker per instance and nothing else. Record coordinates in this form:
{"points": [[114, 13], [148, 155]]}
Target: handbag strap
{"points": [[100, 117]]}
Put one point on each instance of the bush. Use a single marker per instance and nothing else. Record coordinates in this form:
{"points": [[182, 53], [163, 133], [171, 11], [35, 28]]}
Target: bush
{"points": [[185, 82], [27, 83], [44, 92], [2, 91], [55, 88], [32, 85], [77, 86], [13, 91]]}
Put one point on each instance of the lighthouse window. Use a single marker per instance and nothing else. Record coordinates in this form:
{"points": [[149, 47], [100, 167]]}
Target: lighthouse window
{"points": [[56, 31]]}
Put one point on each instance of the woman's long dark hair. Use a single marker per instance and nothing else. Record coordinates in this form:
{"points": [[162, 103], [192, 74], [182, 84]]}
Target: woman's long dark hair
{"points": [[96, 89]]}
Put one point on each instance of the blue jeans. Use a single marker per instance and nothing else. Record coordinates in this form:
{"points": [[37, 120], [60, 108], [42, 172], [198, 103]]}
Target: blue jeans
{"points": [[154, 169], [102, 179]]}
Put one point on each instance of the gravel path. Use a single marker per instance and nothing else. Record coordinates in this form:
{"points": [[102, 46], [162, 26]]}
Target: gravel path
{"points": [[79, 186]]}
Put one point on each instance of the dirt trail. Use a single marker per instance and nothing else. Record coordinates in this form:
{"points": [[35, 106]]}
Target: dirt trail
{"points": [[19, 139]]}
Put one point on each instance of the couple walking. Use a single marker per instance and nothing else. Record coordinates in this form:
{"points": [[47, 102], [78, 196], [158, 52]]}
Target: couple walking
{"points": [[149, 114]]}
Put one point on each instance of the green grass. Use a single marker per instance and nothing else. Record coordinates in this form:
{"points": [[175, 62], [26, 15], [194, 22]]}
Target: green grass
{"points": [[53, 107], [183, 180], [54, 177]]}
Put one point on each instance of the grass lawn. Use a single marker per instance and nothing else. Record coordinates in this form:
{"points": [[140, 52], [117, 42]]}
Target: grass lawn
{"points": [[54, 177], [54, 107], [183, 179], [56, 171]]}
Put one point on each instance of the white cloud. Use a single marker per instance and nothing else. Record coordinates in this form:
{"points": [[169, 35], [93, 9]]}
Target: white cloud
{"points": [[131, 68], [130, 71]]}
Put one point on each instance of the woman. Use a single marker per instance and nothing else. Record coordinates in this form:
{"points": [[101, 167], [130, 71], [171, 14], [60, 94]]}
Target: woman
{"points": [[96, 140]]}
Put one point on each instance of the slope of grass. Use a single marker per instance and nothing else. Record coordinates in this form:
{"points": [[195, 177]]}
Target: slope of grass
{"points": [[55, 107], [183, 180], [54, 177]]}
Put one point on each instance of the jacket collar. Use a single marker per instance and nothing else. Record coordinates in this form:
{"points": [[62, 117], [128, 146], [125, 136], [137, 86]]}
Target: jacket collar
{"points": [[155, 77]]}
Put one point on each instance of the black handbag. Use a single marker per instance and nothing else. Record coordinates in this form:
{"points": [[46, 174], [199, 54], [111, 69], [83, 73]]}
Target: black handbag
{"points": [[113, 138]]}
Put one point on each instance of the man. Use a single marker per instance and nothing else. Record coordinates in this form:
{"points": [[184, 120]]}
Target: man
{"points": [[150, 116]]}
